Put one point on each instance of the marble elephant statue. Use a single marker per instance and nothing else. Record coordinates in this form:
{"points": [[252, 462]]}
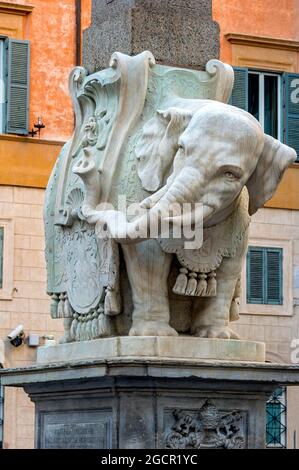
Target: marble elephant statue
{"points": [[166, 139], [216, 158]]}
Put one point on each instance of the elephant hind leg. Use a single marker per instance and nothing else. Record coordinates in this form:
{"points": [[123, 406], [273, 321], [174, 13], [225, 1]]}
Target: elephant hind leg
{"points": [[211, 316], [234, 312]]}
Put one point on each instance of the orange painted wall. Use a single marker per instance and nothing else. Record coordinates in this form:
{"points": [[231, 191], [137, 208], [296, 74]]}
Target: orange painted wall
{"points": [[51, 30], [52, 36], [86, 13], [257, 17], [265, 18]]}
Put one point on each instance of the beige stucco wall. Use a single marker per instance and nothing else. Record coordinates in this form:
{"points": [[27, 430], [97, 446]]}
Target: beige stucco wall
{"points": [[280, 326], [25, 301], [277, 326]]}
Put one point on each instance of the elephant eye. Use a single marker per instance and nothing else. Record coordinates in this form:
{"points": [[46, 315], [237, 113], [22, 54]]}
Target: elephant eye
{"points": [[231, 176]]}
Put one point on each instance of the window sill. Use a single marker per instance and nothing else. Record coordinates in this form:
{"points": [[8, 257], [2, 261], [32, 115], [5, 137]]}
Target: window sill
{"points": [[31, 140]]}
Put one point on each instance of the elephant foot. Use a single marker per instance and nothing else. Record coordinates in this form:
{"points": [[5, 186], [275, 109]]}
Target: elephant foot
{"points": [[151, 328], [66, 338], [209, 331]]}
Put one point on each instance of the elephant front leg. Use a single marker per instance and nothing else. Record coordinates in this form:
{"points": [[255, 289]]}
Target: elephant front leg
{"points": [[211, 315], [148, 269]]}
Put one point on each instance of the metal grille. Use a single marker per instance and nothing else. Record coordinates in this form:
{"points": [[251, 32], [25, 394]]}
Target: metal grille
{"points": [[276, 430]]}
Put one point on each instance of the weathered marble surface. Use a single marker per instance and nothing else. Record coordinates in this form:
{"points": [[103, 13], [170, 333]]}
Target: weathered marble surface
{"points": [[151, 403], [159, 347], [163, 138]]}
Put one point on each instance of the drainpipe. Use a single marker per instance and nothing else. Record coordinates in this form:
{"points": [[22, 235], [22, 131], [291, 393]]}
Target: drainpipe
{"points": [[78, 9]]}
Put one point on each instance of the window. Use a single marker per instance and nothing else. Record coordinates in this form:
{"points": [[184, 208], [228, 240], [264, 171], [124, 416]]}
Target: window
{"points": [[2, 87], [273, 99], [264, 276], [14, 86], [264, 101], [276, 419]]}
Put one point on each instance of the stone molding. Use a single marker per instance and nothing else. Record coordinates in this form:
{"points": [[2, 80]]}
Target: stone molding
{"points": [[16, 8], [262, 41]]}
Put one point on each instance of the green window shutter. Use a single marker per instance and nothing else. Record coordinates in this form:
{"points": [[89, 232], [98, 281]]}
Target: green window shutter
{"points": [[1, 255], [18, 70], [265, 276], [291, 110], [239, 97], [255, 276], [274, 276]]}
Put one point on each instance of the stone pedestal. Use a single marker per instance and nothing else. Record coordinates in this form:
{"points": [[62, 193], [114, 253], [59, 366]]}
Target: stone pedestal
{"points": [[130, 402], [177, 32], [152, 347]]}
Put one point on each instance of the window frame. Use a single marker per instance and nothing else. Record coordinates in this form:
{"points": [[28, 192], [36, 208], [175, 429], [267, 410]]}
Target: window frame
{"points": [[262, 74], [287, 309], [3, 77], [265, 300]]}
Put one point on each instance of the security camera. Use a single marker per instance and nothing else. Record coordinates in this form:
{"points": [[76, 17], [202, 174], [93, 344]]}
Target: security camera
{"points": [[16, 337]]}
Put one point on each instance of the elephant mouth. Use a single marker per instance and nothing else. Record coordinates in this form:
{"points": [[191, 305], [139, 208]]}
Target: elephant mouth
{"points": [[197, 217]]}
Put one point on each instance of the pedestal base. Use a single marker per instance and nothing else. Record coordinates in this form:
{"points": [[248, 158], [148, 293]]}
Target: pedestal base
{"points": [[182, 347], [135, 403]]}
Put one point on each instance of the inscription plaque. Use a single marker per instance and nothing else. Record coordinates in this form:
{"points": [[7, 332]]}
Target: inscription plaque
{"points": [[76, 430]]}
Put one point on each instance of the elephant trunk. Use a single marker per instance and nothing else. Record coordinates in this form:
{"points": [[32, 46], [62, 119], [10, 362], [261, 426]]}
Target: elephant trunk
{"points": [[90, 176]]}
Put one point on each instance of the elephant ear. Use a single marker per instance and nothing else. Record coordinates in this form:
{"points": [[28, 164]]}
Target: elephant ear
{"points": [[274, 160], [158, 145]]}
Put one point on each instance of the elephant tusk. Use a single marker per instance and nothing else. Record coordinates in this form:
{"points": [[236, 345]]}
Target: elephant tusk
{"points": [[152, 200], [197, 217]]}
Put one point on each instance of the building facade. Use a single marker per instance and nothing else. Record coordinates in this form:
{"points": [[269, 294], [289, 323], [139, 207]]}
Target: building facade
{"points": [[39, 44], [262, 44], [43, 40]]}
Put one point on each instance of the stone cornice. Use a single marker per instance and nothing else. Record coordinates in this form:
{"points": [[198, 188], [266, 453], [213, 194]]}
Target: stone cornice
{"points": [[262, 41], [16, 8]]}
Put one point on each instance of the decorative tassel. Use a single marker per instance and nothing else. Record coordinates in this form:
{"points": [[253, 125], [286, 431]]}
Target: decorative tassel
{"points": [[54, 305], [112, 304], [68, 311], [74, 326], [84, 329], [212, 285], [88, 327], [202, 285], [60, 308], [181, 282], [104, 326], [78, 332], [95, 326], [192, 284], [234, 313]]}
